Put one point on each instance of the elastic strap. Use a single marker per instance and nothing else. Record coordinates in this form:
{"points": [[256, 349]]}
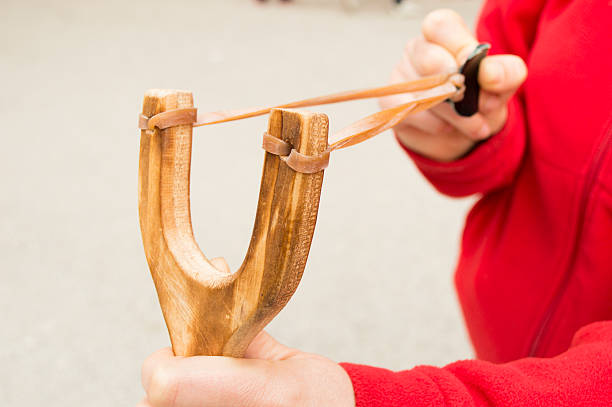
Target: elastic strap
{"points": [[307, 164], [275, 145], [427, 92], [169, 118]]}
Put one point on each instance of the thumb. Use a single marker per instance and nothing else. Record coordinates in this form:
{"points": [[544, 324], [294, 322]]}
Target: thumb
{"points": [[264, 346], [502, 73]]}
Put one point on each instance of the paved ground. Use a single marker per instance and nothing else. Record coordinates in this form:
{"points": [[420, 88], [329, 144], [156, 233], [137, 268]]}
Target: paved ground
{"points": [[78, 308]]}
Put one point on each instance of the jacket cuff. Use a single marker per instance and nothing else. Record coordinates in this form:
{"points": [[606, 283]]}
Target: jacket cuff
{"points": [[377, 387], [490, 165]]}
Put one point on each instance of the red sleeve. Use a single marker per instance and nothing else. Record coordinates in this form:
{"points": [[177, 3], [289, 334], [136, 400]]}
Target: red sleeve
{"points": [[491, 165], [510, 26], [582, 376]]}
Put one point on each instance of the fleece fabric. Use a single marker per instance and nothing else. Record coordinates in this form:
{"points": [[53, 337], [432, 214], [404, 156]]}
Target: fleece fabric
{"points": [[534, 276]]}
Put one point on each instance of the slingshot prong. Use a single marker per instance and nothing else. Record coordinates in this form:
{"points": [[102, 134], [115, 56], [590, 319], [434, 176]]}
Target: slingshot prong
{"points": [[207, 311]]}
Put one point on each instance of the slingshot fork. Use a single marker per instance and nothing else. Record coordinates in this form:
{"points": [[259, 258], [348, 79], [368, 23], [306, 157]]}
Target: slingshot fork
{"points": [[208, 311], [213, 312]]}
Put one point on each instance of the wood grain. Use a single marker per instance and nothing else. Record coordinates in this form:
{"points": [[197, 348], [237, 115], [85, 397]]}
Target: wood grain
{"points": [[208, 311]]}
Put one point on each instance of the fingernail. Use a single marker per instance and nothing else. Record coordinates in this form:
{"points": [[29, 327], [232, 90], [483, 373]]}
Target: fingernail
{"points": [[484, 132]]}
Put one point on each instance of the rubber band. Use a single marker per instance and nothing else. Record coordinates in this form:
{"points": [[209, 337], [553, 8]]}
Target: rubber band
{"points": [[169, 118], [275, 145], [307, 164], [427, 92]]}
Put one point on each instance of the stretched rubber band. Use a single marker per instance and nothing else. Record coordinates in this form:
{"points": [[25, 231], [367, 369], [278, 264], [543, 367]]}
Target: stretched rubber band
{"points": [[428, 92], [421, 84]]}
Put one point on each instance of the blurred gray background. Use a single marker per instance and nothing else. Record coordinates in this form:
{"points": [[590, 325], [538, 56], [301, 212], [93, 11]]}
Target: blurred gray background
{"points": [[78, 308]]}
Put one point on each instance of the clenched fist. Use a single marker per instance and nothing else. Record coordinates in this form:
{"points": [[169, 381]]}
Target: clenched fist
{"points": [[270, 375]]}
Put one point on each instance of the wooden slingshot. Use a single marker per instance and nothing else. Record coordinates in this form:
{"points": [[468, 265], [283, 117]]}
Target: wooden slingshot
{"points": [[210, 311]]}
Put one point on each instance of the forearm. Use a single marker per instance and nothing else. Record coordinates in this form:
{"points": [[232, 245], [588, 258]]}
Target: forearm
{"points": [[580, 376]]}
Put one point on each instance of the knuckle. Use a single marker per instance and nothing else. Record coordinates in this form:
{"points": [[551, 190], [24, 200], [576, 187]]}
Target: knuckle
{"points": [[438, 19], [442, 127], [409, 47], [163, 388], [430, 63], [429, 66], [429, 58], [474, 128]]}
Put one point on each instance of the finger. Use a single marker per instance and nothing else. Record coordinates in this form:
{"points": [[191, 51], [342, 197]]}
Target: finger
{"points": [[440, 147], [264, 346], [474, 127], [428, 122], [143, 403], [447, 29], [203, 381], [497, 118], [405, 67], [424, 121], [220, 264], [502, 73], [153, 362], [428, 58], [489, 102]]}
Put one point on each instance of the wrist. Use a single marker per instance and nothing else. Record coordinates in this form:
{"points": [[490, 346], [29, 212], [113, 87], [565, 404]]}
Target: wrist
{"points": [[319, 382]]}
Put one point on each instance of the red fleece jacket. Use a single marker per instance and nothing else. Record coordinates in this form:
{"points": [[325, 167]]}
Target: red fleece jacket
{"points": [[535, 268]]}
